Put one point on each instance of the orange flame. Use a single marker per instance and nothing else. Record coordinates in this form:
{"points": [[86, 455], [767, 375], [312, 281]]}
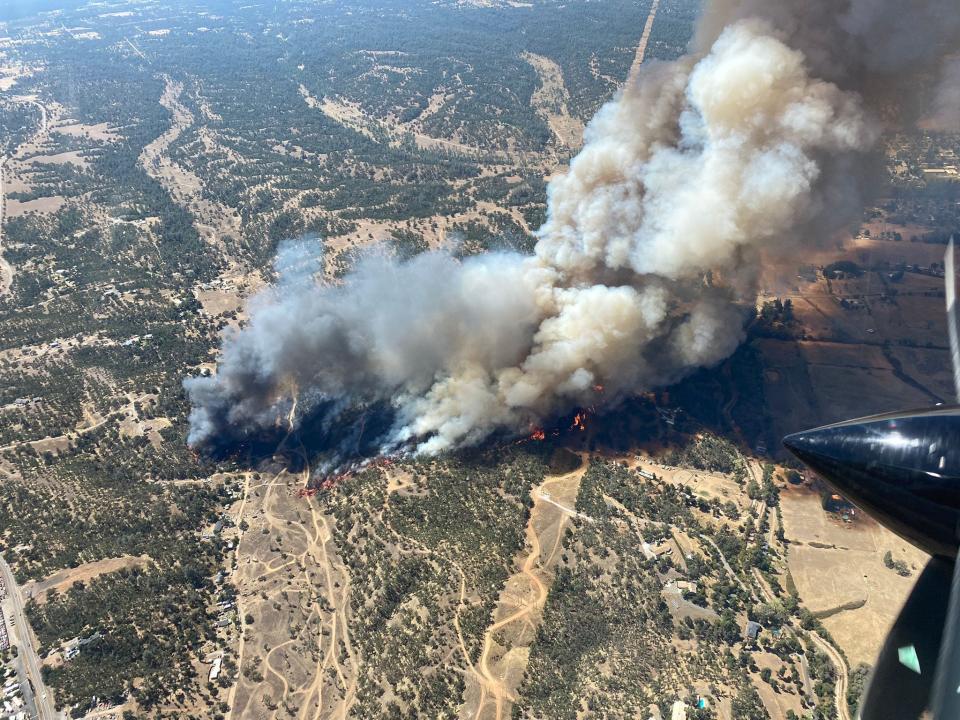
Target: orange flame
{"points": [[538, 434], [598, 388], [579, 422]]}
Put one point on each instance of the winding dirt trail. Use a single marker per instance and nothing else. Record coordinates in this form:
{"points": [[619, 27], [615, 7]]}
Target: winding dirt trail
{"points": [[839, 664], [491, 688], [840, 691], [310, 569]]}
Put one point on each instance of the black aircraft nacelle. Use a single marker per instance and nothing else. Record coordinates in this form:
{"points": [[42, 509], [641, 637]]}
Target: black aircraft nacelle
{"points": [[904, 470]]}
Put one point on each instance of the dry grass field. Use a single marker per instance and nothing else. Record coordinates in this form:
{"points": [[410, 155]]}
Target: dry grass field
{"points": [[62, 580], [812, 383], [295, 656], [833, 562], [782, 701]]}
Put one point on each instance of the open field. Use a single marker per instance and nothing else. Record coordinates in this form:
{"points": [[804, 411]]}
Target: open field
{"points": [[833, 563], [45, 205], [807, 384], [293, 589], [99, 132], [551, 100], [783, 702], [62, 581]]}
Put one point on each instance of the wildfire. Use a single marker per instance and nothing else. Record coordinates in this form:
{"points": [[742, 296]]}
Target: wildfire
{"points": [[343, 473], [579, 422], [538, 434], [598, 388]]}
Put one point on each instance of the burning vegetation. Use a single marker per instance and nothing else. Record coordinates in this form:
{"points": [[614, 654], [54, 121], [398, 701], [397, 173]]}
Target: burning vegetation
{"points": [[695, 176]]}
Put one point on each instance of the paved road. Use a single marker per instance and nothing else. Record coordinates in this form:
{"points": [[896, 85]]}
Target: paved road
{"points": [[27, 651]]}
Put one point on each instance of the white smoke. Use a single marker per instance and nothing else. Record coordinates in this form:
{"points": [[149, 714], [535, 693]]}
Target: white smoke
{"points": [[699, 170], [728, 167]]}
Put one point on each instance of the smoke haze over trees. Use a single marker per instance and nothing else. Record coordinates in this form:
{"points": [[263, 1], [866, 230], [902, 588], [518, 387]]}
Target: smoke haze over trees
{"points": [[744, 152]]}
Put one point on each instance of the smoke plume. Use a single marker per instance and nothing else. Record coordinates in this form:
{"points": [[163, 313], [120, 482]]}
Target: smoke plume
{"points": [[746, 151]]}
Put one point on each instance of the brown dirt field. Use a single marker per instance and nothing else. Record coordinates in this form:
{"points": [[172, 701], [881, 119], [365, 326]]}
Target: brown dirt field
{"points": [[843, 392], [63, 579], [216, 302], [813, 383], [705, 484], [133, 426], [16, 208], [74, 157], [55, 445], [843, 355], [10, 74], [100, 131], [285, 564], [930, 367], [15, 184], [852, 571], [919, 319], [551, 101], [681, 609]]}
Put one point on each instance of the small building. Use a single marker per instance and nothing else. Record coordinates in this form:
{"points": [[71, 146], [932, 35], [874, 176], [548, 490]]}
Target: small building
{"points": [[946, 173], [752, 630], [215, 670]]}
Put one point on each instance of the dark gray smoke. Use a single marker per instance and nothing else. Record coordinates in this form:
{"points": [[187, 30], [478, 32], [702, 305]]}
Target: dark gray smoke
{"points": [[748, 150]]}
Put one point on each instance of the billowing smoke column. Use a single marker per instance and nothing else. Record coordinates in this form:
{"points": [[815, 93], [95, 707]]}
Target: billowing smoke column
{"points": [[745, 151]]}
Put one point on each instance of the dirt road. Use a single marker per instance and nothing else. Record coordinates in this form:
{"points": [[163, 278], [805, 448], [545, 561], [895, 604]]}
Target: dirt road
{"points": [[843, 712], [493, 682], [839, 664], [644, 39]]}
